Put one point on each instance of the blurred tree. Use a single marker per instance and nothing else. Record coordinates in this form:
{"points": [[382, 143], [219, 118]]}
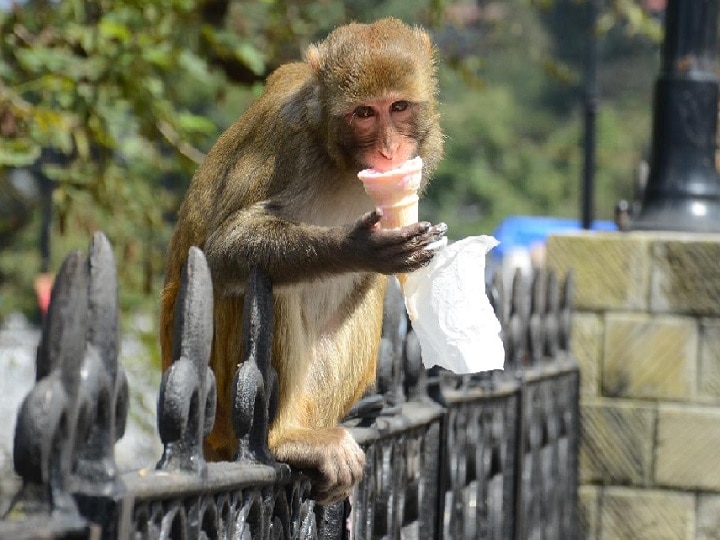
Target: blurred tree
{"points": [[512, 84], [92, 98], [114, 102]]}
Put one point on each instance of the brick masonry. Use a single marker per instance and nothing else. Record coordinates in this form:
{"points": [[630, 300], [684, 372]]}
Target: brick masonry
{"points": [[646, 334]]}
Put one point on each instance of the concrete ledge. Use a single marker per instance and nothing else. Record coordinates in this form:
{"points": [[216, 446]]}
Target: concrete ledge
{"points": [[661, 272], [612, 270], [688, 440]]}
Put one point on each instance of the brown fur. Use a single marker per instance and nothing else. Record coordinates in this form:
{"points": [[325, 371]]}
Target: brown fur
{"points": [[279, 190]]}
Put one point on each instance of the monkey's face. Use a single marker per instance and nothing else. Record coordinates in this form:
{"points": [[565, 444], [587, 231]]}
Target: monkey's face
{"points": [[382, 133]]}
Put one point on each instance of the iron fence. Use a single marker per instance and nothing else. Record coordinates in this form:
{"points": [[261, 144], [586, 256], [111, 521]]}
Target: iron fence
{"points": [[491, 455]]}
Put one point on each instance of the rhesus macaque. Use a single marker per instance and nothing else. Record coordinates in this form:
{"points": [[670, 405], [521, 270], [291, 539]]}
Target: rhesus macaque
{"points": [[280, 190]]}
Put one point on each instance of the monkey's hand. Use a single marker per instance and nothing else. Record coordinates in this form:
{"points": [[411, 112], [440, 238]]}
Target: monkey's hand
{"points": [[330, 457], [391, 251]]}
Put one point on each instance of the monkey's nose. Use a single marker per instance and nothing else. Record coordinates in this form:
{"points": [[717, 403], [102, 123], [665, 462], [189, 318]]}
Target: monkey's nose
{"points": [[387, 152]]}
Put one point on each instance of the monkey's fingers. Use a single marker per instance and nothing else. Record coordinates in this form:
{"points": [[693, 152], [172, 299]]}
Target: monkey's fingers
{"points": [[370, 220], [342, 469], [408, 235], [330, 457], [419, 259], [409, 255], [412, 238], [438, 239], [438, 231]]}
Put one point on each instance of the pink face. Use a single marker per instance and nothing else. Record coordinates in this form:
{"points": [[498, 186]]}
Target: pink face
{"points": [[384, 132]]}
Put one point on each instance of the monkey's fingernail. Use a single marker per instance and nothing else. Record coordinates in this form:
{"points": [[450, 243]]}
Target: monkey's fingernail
{"points": [[441, 228]]}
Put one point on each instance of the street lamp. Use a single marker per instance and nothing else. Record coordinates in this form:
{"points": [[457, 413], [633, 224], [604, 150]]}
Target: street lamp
{"points": [[591, 109], [683, 188]]}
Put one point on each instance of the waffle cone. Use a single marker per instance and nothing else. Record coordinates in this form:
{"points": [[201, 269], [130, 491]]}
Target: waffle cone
{"points": [[400, 213]]}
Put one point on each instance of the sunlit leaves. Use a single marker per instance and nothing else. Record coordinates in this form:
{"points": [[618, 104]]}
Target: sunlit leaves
{"points": [[632, 15], [94, 77], [18, 152]]}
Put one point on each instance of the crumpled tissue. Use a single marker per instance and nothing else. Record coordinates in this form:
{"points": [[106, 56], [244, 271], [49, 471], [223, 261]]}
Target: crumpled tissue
{"points": [[450, 311]]}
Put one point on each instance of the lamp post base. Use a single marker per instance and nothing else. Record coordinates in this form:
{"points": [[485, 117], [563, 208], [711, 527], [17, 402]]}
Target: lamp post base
{"points": [[686, 215]]}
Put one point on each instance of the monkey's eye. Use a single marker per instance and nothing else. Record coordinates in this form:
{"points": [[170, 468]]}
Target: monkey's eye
{"points": [[363, 111], [399, 106]]}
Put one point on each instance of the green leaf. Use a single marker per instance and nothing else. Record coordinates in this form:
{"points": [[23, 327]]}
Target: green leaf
{"points": [[110, 29], [160, 55], [251, 57], [18, 152]]}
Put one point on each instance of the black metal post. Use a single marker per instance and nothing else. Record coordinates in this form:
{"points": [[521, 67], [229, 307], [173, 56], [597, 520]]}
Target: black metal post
{"points": [[683, 190], [46, 189], [591, 107]]}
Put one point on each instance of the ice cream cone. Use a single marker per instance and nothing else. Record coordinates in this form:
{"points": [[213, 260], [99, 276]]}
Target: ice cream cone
{"points": [[395, 193]]}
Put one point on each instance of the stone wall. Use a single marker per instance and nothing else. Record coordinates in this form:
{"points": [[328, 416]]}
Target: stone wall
{"points": [[647, 337]]}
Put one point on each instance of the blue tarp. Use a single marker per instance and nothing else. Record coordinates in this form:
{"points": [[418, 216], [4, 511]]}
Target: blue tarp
{"points": [[526, 231]]}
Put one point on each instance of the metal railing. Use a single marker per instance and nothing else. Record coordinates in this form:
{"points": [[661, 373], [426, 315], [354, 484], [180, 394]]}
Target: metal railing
{"points": [[491, 455]]}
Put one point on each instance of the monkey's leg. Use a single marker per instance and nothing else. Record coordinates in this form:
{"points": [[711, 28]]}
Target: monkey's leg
{"points": [[320, 382]]}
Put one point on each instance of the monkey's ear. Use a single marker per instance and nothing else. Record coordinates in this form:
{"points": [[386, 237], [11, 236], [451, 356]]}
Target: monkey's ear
{"points": [[313, 56], [424, 38]]}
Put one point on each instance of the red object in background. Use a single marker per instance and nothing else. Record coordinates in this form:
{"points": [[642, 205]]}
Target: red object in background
{"points": [[655, 6], [43, 289]]}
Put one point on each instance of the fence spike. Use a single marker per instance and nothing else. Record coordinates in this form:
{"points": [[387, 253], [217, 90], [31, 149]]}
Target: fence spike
{"points": [[552, 316], [255, 385], [537, 317], [103, 391], [186, 405], [45, 434]]}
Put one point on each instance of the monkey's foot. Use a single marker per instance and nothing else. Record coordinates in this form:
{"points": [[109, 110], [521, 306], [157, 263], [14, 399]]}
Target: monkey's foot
{"points": [[330, 456]]}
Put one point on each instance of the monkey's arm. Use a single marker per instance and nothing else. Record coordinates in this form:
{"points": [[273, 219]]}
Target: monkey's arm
{"points": [[292, 252]]}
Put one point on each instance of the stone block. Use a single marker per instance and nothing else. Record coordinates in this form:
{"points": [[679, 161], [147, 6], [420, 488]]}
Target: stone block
{"points": [[588, 512], [612, 270], [649, 357], [685, 276], [586, 342], [708, 517], [688, 439], [709, 359], [616, 442], [634, 514]]}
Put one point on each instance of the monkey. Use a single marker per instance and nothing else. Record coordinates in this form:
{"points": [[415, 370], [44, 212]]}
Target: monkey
{"points": [[279, 191]]}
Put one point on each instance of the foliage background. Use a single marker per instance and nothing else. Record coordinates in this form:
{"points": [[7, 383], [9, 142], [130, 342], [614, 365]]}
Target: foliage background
{"points": [[114, 102]]}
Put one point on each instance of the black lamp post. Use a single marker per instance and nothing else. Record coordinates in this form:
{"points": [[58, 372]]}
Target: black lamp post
{"points": [[590, 110], [683, 189]]}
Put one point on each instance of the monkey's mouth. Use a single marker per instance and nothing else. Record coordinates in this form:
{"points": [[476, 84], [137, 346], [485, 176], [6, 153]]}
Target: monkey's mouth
{"points": [[383, 164]]}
